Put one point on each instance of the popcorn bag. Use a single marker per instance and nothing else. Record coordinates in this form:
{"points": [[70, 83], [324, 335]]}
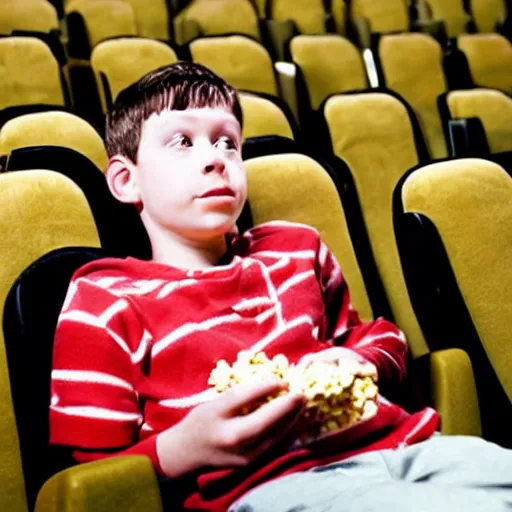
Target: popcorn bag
{"points": [[339, 394]]}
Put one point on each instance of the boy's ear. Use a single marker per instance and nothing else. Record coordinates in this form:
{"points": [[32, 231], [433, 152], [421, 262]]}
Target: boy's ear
{"points": [[122, 181]]}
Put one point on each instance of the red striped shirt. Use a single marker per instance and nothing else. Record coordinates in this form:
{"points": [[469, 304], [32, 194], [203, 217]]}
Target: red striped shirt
{"points": [[136, 341]]}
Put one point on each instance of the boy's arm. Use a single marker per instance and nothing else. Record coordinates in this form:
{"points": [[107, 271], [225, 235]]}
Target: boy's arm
{"points": [[379, 342]]}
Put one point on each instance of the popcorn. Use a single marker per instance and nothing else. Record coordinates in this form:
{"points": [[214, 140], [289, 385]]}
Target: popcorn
{"points": [[338, 393]]}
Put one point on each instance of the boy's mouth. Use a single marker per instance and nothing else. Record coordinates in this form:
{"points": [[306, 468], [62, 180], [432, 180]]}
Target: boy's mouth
{"points": [[219, 192]]}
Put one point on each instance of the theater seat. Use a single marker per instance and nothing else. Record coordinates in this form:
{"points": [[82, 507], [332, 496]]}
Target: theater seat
{"points": [[42, 211], [307, 16], [412, 66], [488, 14], [27, 15], [451, 13], [383, 16], [490, 59], [492, 107], [30, 73], [117, 63], [153, 19], [221, 17], [453, 227], [53, 128], [265, 115]]}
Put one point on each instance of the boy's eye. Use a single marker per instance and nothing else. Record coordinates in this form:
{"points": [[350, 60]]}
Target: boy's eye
{"points": [[185, 141], [225, 143]]}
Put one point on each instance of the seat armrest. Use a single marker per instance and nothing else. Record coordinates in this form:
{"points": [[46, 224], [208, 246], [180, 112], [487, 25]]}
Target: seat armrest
{"points": [[124, 483], [453, 392], [278, 34], [286, 74]]}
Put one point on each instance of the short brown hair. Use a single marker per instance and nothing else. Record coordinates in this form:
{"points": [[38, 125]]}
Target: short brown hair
{"points": [[176, 86]]}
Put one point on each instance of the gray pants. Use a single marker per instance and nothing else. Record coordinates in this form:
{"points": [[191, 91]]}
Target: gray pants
{"points": [[443, 474]]}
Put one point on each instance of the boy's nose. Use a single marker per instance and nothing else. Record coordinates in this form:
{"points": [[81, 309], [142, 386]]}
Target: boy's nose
{"points": [[216, 165]]}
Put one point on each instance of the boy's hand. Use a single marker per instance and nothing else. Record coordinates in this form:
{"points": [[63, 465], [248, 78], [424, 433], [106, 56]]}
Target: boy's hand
{"points": [[216, 434]]}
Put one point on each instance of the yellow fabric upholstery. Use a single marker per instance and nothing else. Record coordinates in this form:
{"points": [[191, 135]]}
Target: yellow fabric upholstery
{"points": [[53, 129], [29, 73], [297, 189], [372, 133], [490, 59], [308, 15], [34, 15], [405, 59], [151, 18], [105, 18], [261, 5], [242, 62], [384, 15], [339, 13], [487, 13], [494, 109], [262, 117], [125, 60], [453, 390], [115, 484], [469, 202], [218, 17], [41, 211], [330, 64], [451, 12]]}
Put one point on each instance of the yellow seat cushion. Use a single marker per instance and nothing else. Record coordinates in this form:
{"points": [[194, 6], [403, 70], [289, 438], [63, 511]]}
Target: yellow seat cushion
{"points": [[451, 12], [29, 73], [405, 59], [490, 59], [263, 117], [384, 16], [33, 15], [296, 188], [105, 18], [124, 60], [53, 129], [151, 18], [308, 15], [469, 201], [219, 17], [372, 133], [41, 211], [330, 64], [242, 62], [487, 13], [492, 107]]}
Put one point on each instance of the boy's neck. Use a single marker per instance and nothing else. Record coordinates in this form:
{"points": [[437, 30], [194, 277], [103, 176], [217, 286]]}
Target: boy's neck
{"points": [[176, 251]]}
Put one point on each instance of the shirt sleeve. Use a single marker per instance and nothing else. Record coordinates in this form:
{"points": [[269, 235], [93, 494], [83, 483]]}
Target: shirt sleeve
{"points": [[380, 341], [100, 346]]}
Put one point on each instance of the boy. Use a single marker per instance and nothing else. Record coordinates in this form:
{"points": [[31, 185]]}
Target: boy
{"points": [[137, 340]]}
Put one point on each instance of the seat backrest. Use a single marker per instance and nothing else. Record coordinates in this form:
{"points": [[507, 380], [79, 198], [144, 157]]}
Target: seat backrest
{"points": [[41, 211], [384, 16], [152, 19], [241, 61], [490, 59], [487, 13], [412, 67], [263, 117], [296, 188], [29, 73], [330, 64], [30, 15], [451, 12], [104, 19], [220, 17], [466, 212], [493, 108], [53, 128], [372, 132], [307, 15], [117, 63]]}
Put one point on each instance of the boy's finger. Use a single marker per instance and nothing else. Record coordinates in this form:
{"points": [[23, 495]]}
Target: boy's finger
{"points": [[268, 415], [247, 394]]}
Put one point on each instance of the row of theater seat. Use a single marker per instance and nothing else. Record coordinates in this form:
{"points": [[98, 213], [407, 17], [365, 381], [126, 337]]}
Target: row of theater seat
{"points": [[437, 83], [53, 212]]}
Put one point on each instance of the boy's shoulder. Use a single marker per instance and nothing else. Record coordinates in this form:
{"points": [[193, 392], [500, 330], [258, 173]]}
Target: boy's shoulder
{"points": [[282, 233]]}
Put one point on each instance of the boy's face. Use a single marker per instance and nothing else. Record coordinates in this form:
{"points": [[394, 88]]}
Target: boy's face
{"points": [[189, 172]]}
